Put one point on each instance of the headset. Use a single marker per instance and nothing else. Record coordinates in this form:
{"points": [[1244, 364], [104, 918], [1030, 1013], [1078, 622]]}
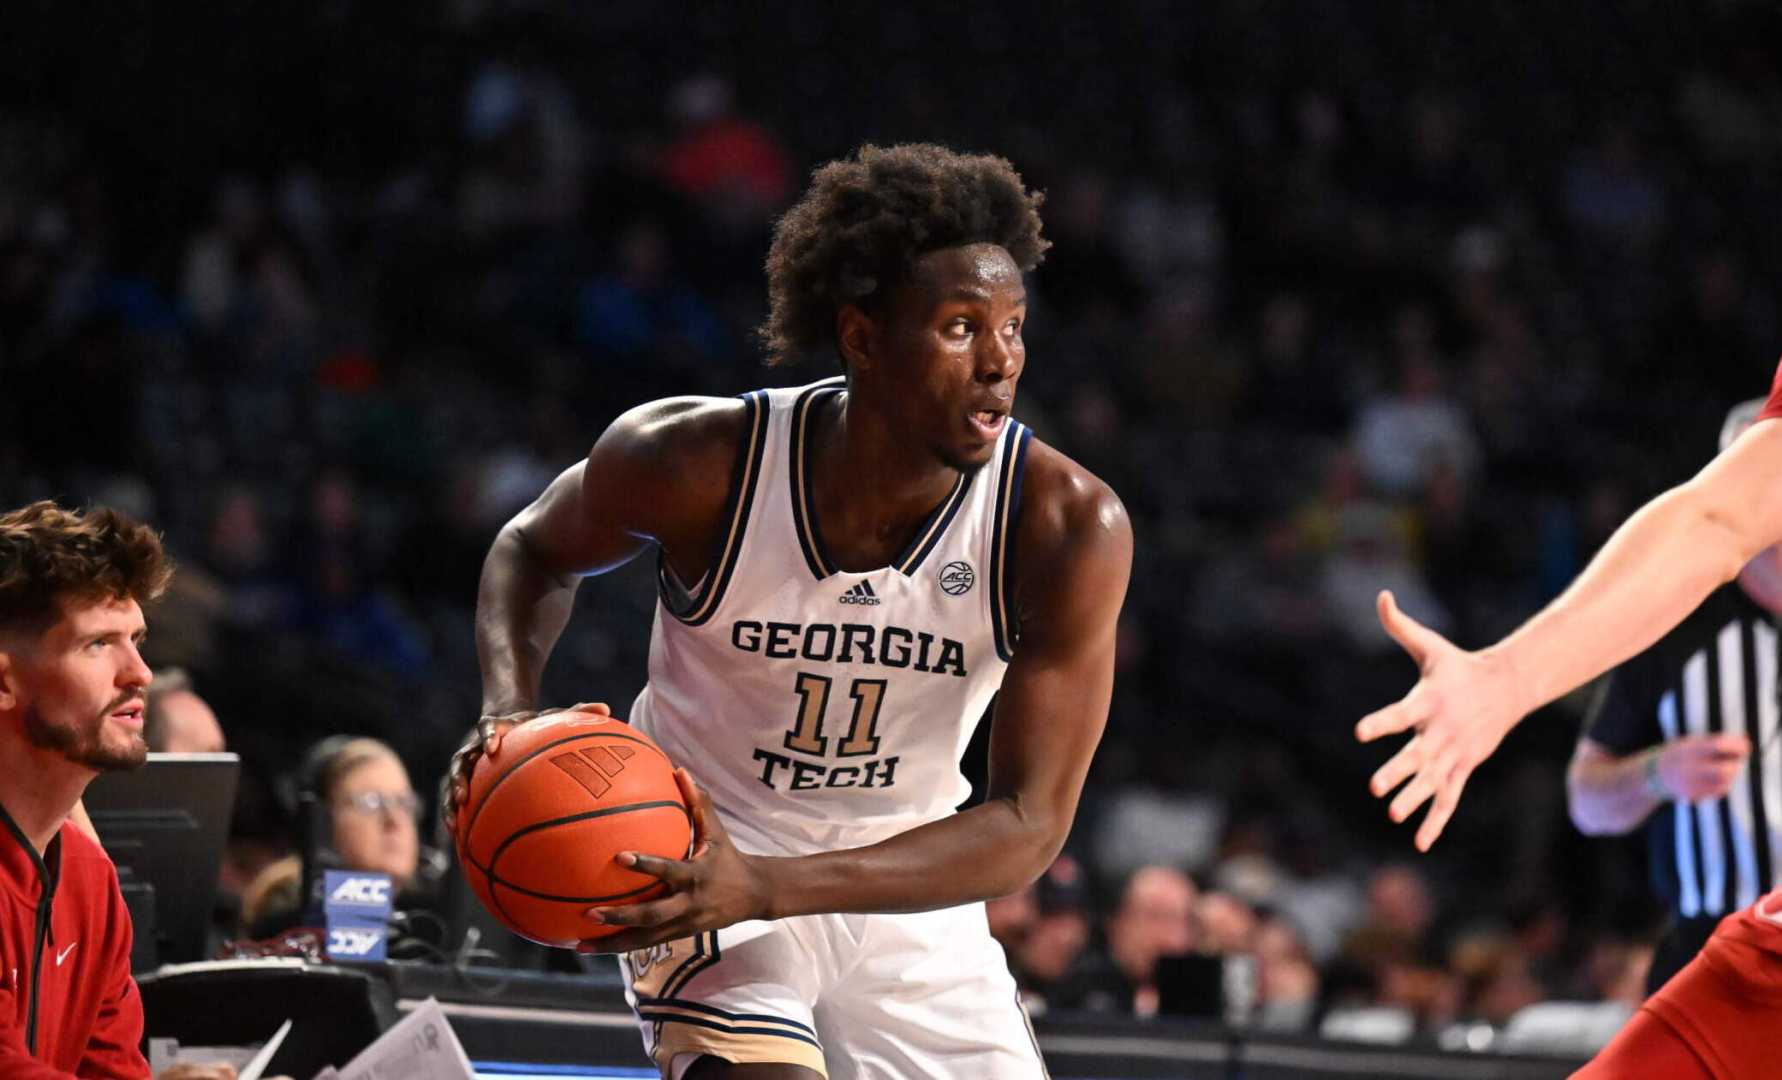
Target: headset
{"points": [[314, 839]]}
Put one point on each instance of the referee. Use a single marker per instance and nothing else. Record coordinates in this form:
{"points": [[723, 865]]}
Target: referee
{"points": [[1686, 729]]}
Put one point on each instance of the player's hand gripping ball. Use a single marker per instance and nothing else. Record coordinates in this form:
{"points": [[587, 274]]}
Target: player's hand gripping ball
{"points": [[546, 812]]}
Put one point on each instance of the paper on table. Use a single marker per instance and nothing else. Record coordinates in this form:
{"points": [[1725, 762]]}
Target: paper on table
{"points": [[421, 1047], [253, 1069]]}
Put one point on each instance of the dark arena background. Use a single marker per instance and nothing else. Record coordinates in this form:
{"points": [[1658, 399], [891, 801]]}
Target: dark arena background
{"points": [[1345, 294]]}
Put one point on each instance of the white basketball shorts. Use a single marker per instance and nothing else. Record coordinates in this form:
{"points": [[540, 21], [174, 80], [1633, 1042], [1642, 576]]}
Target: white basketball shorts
{"points": [[873, 997]]}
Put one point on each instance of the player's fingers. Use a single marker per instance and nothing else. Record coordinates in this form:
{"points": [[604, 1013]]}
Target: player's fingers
{"points": [[1397, 768], [597, 708], [1447, 798], [707, 826], [1411, 635], [652, 913], [488, 730], [1406, 802], [1401, 715], [676, 872], [632, 940]]}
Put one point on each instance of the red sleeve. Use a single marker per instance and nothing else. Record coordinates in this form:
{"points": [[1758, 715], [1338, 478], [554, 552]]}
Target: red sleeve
{"points": [[114, 1048], [1773, 407], [16, 1063]]}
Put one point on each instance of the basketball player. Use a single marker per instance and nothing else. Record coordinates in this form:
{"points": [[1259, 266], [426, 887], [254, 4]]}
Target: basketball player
{"points": [[849, 571], [1721, 1016]]}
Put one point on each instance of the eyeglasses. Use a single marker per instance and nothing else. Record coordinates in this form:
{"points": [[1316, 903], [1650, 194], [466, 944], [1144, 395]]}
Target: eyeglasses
{"points": [[373, 803]]}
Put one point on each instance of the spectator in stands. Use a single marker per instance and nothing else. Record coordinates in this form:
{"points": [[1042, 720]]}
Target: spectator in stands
{"points": [[1402, 434], [1048, 958], [363, 815], [1227, 924], [1155, 918], [1287, 982], [1495, 977], [176, 720]]}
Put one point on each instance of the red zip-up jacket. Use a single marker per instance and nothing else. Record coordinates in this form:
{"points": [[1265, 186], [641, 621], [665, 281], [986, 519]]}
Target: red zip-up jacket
{"points": [[68, 1006]]}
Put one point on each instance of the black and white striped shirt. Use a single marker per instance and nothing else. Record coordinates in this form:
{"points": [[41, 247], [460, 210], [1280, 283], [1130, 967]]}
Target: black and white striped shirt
{"points": [[1716, 672]]}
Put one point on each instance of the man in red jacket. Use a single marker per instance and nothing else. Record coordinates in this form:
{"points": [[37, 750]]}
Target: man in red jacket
{"points": [[71, 705]]}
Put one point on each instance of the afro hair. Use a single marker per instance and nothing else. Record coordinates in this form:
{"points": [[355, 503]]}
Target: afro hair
{"points": [[866, 219]]}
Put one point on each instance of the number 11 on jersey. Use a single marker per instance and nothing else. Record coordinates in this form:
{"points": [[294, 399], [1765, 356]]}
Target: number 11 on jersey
{"points": [[806, 737]]}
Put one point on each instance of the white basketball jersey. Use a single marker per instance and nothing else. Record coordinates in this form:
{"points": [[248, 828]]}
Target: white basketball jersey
{"points": [[823, 708]]}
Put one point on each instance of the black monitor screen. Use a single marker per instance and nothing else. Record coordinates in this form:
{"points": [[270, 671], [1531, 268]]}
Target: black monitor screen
{"points": [[164, 825]]}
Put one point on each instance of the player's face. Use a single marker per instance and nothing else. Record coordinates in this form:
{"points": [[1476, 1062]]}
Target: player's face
{"points": [[952, 352], [79, 687], [375, 819]]}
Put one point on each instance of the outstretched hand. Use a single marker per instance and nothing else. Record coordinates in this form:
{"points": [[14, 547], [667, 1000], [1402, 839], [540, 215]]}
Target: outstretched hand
{"points": [[486, 739], [713, 887], [1463, 705]]}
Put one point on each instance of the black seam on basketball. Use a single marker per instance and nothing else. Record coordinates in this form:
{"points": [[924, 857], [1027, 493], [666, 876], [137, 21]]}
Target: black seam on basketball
{"points": [[553, 897], [470, 825], [500, 908], [588, 815]]}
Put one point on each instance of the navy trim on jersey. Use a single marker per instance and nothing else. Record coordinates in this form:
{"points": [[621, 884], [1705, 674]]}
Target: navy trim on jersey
{"points": [[1032, 1036], [693, 965], [696, 609], [722, 1014], [804, 518], [928, 537], [718, 1025], [799, 453], [1002, 550]]}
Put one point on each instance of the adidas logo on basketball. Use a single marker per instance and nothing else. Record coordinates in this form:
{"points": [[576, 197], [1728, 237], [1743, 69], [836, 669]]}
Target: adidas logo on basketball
{"points": [[860, 594]]}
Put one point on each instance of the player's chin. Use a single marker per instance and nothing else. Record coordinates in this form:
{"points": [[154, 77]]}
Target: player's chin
{"points": [[966, 455]]}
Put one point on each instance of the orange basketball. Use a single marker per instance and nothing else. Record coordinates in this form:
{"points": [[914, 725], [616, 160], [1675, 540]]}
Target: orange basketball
{"points": [[547, 813]]}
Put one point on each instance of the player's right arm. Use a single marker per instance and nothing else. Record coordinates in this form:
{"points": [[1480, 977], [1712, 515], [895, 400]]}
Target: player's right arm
{"points": [[1657, 568], [659, 475]]}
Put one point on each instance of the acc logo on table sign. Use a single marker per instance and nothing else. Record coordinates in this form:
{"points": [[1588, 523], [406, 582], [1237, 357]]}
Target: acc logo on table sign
{"points": [[365, 890], [352, 942]]}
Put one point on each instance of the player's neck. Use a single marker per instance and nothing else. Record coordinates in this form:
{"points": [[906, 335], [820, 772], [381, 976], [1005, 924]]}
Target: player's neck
{"points": [[870, 476], [40, 787]]}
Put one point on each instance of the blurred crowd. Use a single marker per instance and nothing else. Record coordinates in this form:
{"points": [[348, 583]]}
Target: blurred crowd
{"points": [[1345, 295]]}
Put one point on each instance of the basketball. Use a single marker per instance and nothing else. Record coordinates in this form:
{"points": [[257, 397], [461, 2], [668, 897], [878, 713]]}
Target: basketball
{"points": [[548, 812]]}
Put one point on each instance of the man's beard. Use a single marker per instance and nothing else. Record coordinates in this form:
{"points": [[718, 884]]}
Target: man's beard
{"points": [[84, 744]]}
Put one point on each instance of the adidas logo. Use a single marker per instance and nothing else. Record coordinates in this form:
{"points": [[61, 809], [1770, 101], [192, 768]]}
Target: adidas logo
{"points": [[860, 594]]}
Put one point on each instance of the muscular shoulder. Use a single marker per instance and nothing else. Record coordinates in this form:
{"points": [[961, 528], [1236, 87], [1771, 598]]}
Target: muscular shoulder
{"points": [[675, 433], [1073, 530], [669, 463]]}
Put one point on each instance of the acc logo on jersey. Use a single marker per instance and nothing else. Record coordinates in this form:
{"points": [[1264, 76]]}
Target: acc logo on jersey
{"points": [[957, 578]]}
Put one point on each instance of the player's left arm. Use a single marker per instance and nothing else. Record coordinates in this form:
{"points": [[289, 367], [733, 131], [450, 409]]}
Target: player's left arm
{"points": [[1073, 559]]}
